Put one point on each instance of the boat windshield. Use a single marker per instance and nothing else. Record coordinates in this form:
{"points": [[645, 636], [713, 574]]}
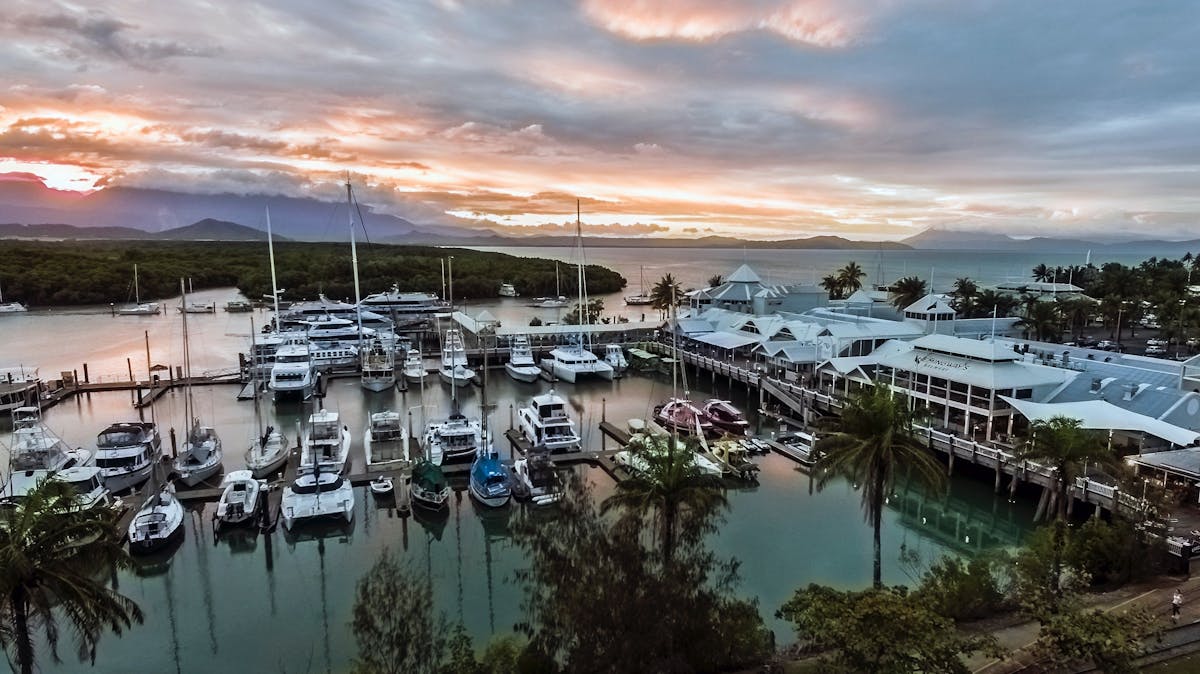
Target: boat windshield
{"points": [[118, 438], [119, 462]]}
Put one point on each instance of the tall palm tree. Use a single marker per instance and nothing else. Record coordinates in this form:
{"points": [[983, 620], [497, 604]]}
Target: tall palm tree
{"points": [[670, 492], [906, 291], [851, 277], [666, 293], [1061, 443], [715, 280], [965, 292], [832, 285], [1041, 321], [873, 439], [1042, 273], [50, 554], [990, 300]]}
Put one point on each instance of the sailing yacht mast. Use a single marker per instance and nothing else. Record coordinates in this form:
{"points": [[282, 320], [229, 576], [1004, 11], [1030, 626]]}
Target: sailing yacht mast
{"points": [[187, 368], [354, 261], [274, 283], [583, 311], [137, 296]]}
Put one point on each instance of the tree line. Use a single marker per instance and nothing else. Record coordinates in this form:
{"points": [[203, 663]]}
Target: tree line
{"points": [[101, 272]]}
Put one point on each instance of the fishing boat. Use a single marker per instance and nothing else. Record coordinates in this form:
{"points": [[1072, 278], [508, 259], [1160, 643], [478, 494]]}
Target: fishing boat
{"points": [[681, 415], [536, 479], [87, 483], [36, 454], [615, 357], [559, 300], [454, 369], [490, 482], [429, 487], [508, 290], [574, 361], [378, 368], [414, 367], [10, 307], [241, 498], [385, 442], [544, 423], [734, 458], [138, 308], [238, 307], [725, 417], [316, 495], [202, 453], [637, 462], [520, 365], [159, 522], [640, 299], [126, 453], [325, 444]]}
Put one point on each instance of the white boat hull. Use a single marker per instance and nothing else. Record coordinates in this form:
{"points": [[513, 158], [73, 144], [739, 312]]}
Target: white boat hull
{"points": [[335, 505], [378, 384], [525, 373], [572, 374], [267, 464], [489, 501], [457, 380], [127, 480], [194, 476]]}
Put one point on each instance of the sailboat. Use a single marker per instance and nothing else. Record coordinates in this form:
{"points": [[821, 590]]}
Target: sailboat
{"points": [[317, 494], [268, 451], [138, 308], [573, 361], [429, 488], [640, 299], [679, 414], [559, 301], [158, 522], [491, 482], [520, 365], [378, 368], [10, 307], [201, 456]]}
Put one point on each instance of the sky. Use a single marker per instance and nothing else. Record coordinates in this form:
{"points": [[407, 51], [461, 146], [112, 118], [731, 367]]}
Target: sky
{"points": [[869, 119]]}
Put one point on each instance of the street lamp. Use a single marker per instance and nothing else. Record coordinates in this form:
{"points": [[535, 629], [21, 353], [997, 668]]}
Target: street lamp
{"points": [[1120, 311]]}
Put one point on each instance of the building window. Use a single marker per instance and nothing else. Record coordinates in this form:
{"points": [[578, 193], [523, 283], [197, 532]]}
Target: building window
{"points": [[1024, 393]]}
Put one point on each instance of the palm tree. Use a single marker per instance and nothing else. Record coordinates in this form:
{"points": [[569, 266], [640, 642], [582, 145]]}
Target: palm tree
{"points": [[1042, 273], [1042, 322], [965, 291], [666, 293], [833, 285], [872, 440], [1062, 444], [906, 291], [50, 554], [851, 277], [670, 491], [715, 280], [993, 300]]}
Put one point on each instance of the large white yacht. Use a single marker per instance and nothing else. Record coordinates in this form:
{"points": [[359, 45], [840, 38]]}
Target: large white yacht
{"points": [[325, 443], [332, 330], [454, 361], [317, 495], [508, 290], [378, 368], [455, 439], [544, 423], [520, 365], [572, 362], [385, 443], [87, 483], [126, 453], [36, 453], [405, 308], [293, 375]]}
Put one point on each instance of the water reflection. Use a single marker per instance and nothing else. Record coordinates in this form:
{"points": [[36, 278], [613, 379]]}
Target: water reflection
{"points": [[957, 523]]}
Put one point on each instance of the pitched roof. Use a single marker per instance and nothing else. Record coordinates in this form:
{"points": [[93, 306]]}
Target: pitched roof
{"points": [[743, 274]]}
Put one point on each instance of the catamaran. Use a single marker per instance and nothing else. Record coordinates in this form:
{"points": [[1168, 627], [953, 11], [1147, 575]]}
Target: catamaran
{"points": [[520, 365], [574, 360], [544, 423], [201, 455], [138, 308], [315, 495]]}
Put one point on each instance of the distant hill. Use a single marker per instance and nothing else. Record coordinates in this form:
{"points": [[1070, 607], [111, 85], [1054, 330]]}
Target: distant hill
{"points": [[810, 243], [204, 230], [937, 239], [18, 231], [210, 229]]}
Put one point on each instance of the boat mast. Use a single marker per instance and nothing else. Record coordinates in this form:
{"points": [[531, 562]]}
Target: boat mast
{"points": [[274, 283], [254, 376], [137, 297], [583, 312], [354, 262], [187, 369]]}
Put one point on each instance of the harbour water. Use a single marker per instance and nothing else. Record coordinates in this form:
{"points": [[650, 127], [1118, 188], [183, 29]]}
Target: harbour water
{"points": [[216, 601]]}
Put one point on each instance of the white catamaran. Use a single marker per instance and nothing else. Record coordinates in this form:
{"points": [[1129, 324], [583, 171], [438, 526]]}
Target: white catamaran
{"points": [[575, 360]]}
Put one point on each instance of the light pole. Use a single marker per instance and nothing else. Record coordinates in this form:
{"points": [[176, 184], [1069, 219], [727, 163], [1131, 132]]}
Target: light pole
{"points": [[1120, 311]]}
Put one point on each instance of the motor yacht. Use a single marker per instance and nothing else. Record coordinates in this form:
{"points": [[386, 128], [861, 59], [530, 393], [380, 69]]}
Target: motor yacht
{"points": [[454, 369], [385, 442], [87, 483], [36, 453], [241, 499], [455, 439], [508, 290], [325, 443], [378, 368], [544, 423], [158, 522], [536, 479], [725, 417], [414, 366], [293, 375], [615, 357], [126, 453], [520, 365]]}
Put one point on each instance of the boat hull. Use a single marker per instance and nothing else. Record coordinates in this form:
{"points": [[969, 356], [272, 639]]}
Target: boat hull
{"points": [[127, 480], [267, 466], [431, 500], [414, 377], [489, 501], [194, 476], [147, 546], [378, 384], [456, 381], [523, 373]]}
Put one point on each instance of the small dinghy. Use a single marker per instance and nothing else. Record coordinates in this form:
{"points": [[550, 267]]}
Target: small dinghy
{"points": [[381, 485]]}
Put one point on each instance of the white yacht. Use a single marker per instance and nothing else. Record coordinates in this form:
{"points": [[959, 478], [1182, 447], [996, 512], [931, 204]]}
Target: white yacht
{"points": [[126, 453], [573, 361], [87, 483], [138, 308], [325, 443], [199, 308], [520, 365], [293, 375], [201, 457], [455, 439], [385, 443], [536, 479], [317, 495], [508, 290], [378, 368], [241, 498], [158, 522], [414, 367], [36, 453], [615, 357], [329, 330], [405, 308], [454, 361], [10, 307], [544, 423]]}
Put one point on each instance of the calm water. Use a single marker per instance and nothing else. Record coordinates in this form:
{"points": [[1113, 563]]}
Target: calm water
{"points": [[279, 603]]}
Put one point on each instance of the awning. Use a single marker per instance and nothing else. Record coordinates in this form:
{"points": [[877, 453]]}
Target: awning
{"points": [[1101, 414], [1183, 462], [725, 340]]}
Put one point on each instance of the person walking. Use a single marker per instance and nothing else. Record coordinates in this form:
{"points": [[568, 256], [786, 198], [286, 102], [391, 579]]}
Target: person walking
{"points": [[1176, 605]]}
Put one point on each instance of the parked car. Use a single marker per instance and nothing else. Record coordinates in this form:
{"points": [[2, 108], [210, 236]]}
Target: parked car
{"points": [[1156, 342], [1156, 350], [1107, 345]]}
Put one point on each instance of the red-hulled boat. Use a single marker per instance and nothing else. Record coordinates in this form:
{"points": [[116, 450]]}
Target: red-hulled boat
{"points": [[682, 415], [725, 417]]}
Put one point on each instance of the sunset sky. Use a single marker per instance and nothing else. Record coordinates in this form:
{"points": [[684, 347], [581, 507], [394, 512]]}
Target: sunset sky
{"points": [[758, 118]]}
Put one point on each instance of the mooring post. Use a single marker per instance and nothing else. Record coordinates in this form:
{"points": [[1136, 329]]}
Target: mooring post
{"points": [[603, 410], [85, 374], [174, 447]]}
